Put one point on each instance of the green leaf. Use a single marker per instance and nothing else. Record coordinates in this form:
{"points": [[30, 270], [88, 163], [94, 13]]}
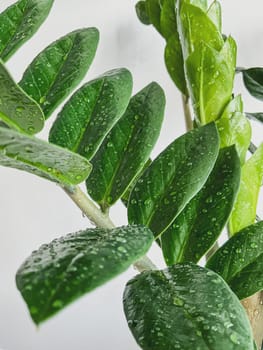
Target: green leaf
{"points": [[41, 158], [153, 8], [198, 226], [59, 68], [173, 179], [215, 14], [91, 112], [19, 22], [253, 80], [141, 11], [210, 76], [185, 307], [62, 271], [168, 23], [255, 116], [127, 147], [240, 261], [234, 128], [196, 28], [17, 109], [244, 212]]}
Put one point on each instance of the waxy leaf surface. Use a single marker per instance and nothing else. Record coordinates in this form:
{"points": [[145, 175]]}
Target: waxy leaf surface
{"points": [[41, 158], [240, 261], [59, 68], [91, 112], [173, 179], [17, 109], [215, 14], [198, 226], [59, 272], [19, 22], [127, 147], [185, 307], [253, 80]]}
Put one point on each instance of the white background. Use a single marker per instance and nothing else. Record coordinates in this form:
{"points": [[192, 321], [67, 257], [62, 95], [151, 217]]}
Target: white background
{"points": [[34, 211]]}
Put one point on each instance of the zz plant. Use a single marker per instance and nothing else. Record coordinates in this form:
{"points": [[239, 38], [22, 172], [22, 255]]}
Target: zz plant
{"points": [[183, 199]]}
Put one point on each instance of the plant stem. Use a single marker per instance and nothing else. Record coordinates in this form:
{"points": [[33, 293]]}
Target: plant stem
{"points": [[187, 113], [99, 219]]}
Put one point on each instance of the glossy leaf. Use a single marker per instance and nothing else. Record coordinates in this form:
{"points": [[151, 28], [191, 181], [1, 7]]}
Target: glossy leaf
{"points": [[198, 226], [244, 212], [19, 22], [153, 8], [253, 80], [168, 23], [59, 272], [215, 14], [173, 179], [234, 128], [255, 116], [240, 261], [210, 76], [91, 112], [17, 109], [185, 307], [41, 158], [59, 68], [127, 147], [141, 11]]}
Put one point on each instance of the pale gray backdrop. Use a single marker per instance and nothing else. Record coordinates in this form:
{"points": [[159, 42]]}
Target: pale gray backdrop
{"points": [[34, 211]]}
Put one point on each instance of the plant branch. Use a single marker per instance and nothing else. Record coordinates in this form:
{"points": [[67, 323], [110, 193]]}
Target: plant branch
{"points": [[187, 113], [102, 220]]}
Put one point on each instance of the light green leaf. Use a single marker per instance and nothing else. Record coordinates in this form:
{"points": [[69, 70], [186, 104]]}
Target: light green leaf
{"points": [[41, 158], [91, 112], [17, 109], [19, 22], [215, 14], [59, 68], [127, 147], [185, 307], [244, 212], [65, 269], [210, 76], [173, 179], [198, 226], [240, 261]]}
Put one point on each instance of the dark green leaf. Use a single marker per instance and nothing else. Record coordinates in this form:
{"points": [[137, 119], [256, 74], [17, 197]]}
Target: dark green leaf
{"points": [[141, 11], [67, 268], [198, 226], [19, 22], [240, 261], [214, 13], [173, 179], [185, 307], [255, 116], [253, 80], [127, 147], [17, 109], [59, 68], [41, 158], [244, 212], [91, 112], [168, 23], [153, 8]]}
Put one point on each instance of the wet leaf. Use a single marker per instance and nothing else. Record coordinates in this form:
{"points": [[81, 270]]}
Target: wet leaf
{"points": [[60, 272], [173, 179], [244, 212], [19, 22], [59, 68], [215, 14], [17, 109], [91, 112], [168, 23], [198, 226], [255, 116], [240, 261], [127, 147], [253, 80], [41, 158], [185, 307]]}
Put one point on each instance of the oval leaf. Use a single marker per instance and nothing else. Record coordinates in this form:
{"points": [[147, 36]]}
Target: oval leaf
{"points": [[244, 212], [198, 226], [127, 147], [17, 109], [91, 112], [141, 11], [19, 22], [215, 14], [240, 261], [173, 179], [67, 268], [185, 307], [253, 80], [58, 69], [41, 158]]}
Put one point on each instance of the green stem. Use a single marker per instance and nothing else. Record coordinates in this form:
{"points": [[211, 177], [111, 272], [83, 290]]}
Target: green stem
{"points": [[99, 219]]}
